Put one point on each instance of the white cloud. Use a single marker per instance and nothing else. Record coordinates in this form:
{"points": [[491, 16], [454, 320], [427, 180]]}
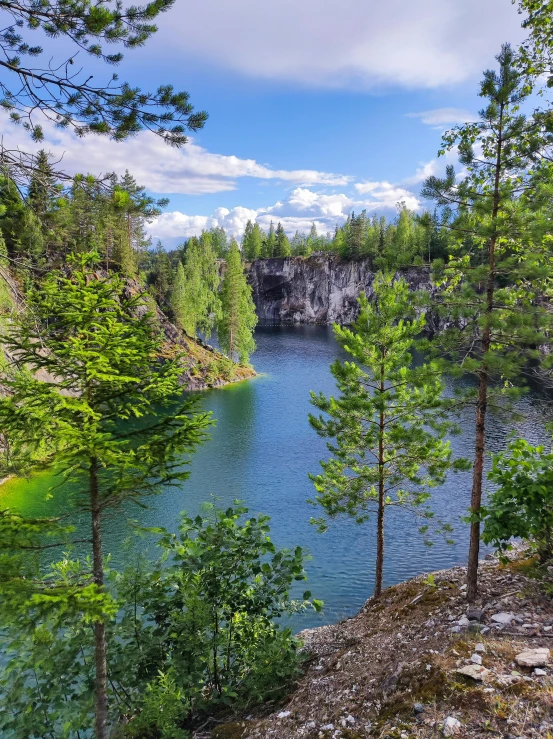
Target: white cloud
{"points": [[386, 195], [296, 213], [177, 225], [440, 117], [191, 170], [353, 43]]}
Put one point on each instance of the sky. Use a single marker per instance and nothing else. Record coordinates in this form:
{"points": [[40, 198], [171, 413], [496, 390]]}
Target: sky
{"points": [[316, 107]]}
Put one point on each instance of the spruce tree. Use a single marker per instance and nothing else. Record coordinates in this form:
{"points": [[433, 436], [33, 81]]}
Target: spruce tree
{"points": [[43, 197], [111, 420], [200, 306], [387, 425], [282, 245], [178, 296], [252, 242], [493, 284], [269, 243], [238, 319]]}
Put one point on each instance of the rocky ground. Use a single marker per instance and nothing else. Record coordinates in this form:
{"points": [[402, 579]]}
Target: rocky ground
{"points": [[420, 663]]}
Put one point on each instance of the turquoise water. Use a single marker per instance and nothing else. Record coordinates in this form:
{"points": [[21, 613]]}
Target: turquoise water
{"points": [[261, 452]]}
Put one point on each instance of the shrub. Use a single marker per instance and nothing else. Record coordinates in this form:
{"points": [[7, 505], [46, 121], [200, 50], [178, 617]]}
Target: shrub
{"points": [[522, 505], [196, 632]]}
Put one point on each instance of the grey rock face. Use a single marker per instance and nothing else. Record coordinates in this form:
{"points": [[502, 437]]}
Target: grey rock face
{"points": [[321, 289]]}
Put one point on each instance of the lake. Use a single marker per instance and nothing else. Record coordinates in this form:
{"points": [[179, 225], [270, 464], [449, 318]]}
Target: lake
{"points": [[261, 452]]}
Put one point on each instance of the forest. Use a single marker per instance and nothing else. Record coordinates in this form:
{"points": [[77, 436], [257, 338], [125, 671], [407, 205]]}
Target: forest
{"points": [[190, 629]]}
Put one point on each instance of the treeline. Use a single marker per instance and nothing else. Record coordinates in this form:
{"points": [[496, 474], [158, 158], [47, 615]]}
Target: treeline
{"points": [[406, 240], [109, 217]]}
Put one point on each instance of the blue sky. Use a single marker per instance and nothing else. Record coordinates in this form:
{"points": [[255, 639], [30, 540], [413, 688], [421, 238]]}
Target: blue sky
{"points": [[316, 106]]}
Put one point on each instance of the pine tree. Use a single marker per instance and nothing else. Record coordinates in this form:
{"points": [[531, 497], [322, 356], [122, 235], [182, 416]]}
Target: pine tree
{"points": [[102, 350], [46, 89], [238, 319], [282, 245], [491, 286], [388, 423], [312, 241]]}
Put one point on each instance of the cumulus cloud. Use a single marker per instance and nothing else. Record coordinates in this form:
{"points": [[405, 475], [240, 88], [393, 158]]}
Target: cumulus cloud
{"points": [[191, 170], [386, 195], [440, 117], [297, 212], [351, 43]]}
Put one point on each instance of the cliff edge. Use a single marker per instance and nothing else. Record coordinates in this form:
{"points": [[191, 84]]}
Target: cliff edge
{"points": [[320, 289]]}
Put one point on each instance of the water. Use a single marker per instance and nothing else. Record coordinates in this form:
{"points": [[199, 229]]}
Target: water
{"points": [[261, 452]]}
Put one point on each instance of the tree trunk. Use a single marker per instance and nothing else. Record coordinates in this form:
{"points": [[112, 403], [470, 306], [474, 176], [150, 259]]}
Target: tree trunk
{"points": [[100, 650], [483, 380], [380, 515], [477, 478]]}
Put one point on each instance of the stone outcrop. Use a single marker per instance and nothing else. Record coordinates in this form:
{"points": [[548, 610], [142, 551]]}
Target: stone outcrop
{"points": [[320, 289]]}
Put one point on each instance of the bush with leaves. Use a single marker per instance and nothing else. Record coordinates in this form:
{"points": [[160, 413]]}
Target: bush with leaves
{"points": [[196, 633], [202, 625], [522, 505]]}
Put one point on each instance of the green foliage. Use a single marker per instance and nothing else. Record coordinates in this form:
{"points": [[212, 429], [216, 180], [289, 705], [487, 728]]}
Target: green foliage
{"points": [[70, 99], [492, 289], [105, 372], [252, 242], [522, 505], [282, 245], [238, 318], [195, 632], [199, 305], [269, 243], [388, 423], [98, 402], [178, 296]]}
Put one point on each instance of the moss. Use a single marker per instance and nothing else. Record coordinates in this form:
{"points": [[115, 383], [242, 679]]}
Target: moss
{"points": [[423, 685], [527, 565], [234, 730], [470, 699]]}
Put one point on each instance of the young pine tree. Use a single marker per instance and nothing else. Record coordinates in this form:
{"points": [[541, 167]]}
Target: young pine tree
{"points": [[493, 283], [109, 416], [388, 423], [238, 318]]}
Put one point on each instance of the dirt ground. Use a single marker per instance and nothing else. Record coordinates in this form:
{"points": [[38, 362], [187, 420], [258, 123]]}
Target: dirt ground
{"points": [[392, 670]]}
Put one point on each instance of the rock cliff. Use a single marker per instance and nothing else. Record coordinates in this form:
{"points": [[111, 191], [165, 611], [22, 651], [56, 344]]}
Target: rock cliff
{"points": [[319, 289]]}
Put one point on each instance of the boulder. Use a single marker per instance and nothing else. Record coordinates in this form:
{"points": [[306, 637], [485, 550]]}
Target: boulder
{"points": [[475, 672], [533, 657], [475, 614], [503, 618]]}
